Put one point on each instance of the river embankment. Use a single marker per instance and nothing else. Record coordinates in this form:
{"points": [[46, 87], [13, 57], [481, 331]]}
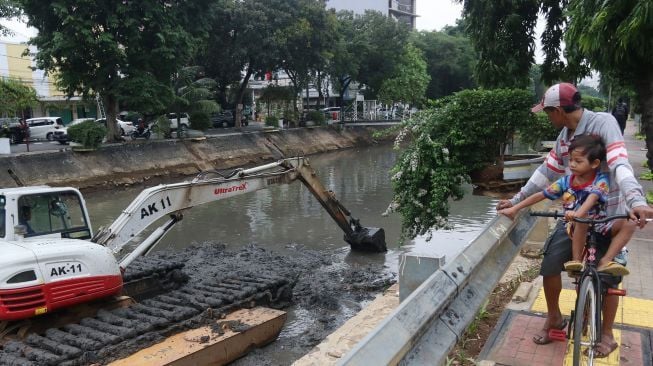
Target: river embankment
{"points": [[137, 161]]}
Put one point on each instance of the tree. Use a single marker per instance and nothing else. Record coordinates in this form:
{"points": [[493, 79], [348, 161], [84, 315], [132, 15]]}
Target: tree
{"points": [[366, 51], [193, 93], [503, 35], [409, 81], [8, 9], [15, 97], [307, 41], [123, 50], [450, 60], [614, 38]]}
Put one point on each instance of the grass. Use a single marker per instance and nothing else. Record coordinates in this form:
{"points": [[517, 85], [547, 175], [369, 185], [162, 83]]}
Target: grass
{"points": [[645, 164], [640, 136], [649, 197]]}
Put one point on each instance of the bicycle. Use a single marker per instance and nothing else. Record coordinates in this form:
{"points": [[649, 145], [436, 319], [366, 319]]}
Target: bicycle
{"points": [[586, 316]]}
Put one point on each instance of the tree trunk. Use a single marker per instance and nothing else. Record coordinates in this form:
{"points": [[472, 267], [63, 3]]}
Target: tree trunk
{"points": [[241, 95], [113, 131], [645, 97], [318, 85]]}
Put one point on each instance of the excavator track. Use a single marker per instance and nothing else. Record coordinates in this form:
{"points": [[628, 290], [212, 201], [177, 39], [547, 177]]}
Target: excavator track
{"points": [[112, 334], [150, 276]]}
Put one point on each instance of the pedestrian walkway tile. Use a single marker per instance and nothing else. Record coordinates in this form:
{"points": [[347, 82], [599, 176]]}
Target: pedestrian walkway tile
{"points": [[632, 311], [511, 343]]}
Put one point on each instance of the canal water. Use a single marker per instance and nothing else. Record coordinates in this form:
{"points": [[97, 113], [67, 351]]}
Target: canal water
{"points": [[289, 215]]}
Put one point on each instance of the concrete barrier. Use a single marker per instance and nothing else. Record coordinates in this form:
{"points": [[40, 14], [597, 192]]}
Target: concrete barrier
{"points": [[136, 161], [427, 325]]}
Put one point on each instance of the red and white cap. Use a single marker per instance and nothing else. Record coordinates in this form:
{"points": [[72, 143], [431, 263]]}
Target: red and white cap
{"points": [[558, 95]]}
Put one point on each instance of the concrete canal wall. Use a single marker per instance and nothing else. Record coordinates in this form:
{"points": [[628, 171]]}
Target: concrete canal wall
{"points": [[137, 161]]}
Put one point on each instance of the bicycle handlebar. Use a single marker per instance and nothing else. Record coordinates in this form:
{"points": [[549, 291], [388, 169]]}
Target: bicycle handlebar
{"points": [[559, 214]]}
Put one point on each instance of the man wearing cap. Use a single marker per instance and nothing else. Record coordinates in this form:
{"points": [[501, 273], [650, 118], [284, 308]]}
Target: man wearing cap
{"points": [[562, 105]]}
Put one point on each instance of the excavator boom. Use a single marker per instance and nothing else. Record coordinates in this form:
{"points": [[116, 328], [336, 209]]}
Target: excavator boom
{"points": [[172, 199]]}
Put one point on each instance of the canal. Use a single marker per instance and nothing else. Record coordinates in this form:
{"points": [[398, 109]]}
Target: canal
{"points": [[289, 214]]}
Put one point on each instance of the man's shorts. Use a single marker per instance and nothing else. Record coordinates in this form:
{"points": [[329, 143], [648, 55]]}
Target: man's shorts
{"points": [[557, 251]]}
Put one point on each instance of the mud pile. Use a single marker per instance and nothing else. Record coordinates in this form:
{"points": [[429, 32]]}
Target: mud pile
{"points": [[319, 290]]}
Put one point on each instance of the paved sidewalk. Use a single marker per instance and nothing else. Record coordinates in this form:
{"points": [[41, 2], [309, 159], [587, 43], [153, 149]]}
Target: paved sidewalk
{"points": [[511, 343]]}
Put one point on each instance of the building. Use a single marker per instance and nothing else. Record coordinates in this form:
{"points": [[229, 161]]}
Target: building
{"points": [[52, 101], [402, 10]]}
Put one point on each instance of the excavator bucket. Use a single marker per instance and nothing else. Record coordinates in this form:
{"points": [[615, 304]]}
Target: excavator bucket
{"points": [[367, 239]]}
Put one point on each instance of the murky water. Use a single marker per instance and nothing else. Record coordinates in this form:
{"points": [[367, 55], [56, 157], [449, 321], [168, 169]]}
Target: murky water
{"points": [[289, 214]]}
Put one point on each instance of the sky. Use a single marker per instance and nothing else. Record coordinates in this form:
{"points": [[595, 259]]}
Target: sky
{"points": [[435, 14]]}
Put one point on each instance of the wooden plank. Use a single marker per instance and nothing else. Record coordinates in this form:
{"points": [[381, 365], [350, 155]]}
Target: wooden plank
{"points": [[243, 330]]}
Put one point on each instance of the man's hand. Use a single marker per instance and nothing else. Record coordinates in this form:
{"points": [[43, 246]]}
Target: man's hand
{"points": [[639, 215], [503, 204], [510, 212]]}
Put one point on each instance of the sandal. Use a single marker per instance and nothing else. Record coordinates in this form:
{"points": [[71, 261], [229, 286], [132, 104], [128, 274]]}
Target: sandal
{"points": [[613, 268], [603, 350], [542, 337]]}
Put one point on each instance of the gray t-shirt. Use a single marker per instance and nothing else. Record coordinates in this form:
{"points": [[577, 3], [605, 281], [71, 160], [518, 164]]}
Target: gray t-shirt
{"points": [[624, 188]]}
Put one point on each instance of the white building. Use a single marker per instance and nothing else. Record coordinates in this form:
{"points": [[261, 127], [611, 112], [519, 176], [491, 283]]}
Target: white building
{"points": [[402, 10]]}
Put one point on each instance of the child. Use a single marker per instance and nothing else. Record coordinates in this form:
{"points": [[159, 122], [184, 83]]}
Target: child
{"points": [[584, 194]]}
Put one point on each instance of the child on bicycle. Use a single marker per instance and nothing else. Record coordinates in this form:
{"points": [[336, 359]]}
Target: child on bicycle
{"points": [[584, 194]]}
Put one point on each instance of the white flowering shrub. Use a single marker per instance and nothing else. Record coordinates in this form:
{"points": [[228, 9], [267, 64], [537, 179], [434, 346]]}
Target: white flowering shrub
{"points": [[440, 146]]}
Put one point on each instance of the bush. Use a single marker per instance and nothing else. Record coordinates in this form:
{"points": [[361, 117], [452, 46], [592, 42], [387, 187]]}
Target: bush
{"points": [[200, 121], [460, 133], [162, 126], [593, 103], [272, 120], [317, 117], [88, 133], [540, 130]]}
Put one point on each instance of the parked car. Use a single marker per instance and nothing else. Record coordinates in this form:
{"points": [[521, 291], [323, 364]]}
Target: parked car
{"points": [[227, 119], [61, 135], [43, 128], [13, 130], [183, 121], [126, 128]]}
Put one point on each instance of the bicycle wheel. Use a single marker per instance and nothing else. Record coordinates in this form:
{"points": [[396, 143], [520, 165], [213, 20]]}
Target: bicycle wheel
{"points": [[586, 332]]}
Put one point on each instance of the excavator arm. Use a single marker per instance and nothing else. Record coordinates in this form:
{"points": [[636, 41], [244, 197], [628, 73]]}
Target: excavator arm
{"points": [[173, 199]]}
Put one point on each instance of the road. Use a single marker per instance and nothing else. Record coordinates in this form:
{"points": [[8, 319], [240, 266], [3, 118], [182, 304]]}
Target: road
{"points": [[53, 145]]}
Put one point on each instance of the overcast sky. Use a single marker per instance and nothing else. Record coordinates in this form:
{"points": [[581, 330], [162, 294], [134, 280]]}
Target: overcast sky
{"points": [[435, 14]]}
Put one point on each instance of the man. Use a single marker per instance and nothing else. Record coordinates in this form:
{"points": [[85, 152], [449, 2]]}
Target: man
{"points": [[620, 113], [561, 103]]}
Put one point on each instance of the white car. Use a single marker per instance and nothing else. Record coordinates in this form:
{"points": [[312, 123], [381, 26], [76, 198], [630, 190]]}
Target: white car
{"points": [[183, 121], [126, 128], [43, 128]]}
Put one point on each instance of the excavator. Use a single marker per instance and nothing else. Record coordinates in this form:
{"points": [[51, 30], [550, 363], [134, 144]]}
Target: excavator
{"points": [[52, 259]]}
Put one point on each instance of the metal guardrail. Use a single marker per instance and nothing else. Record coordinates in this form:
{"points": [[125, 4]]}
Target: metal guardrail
{"points": [[427, 325]]}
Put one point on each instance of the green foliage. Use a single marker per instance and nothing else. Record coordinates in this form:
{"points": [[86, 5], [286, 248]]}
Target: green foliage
{"points": [[647, 175], [503, 36], [409, 81], [272, 121], [317, 117], [200, 121], [119, 49], [593, 103], [450, 61], [460, 133], [540, 130], [649, 197], [366, 50], [15, 96], [162, 126], [88, 133]]}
